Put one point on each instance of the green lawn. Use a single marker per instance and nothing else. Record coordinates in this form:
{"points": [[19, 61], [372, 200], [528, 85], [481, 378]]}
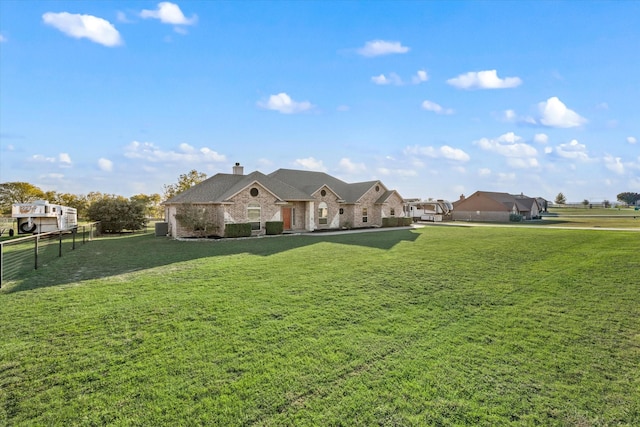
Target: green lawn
{"points": [[436, 326]]}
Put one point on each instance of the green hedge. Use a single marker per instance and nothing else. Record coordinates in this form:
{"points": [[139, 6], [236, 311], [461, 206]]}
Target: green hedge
{"points": [[237, 230], [274, 227], [396, 221], [515, 217]]}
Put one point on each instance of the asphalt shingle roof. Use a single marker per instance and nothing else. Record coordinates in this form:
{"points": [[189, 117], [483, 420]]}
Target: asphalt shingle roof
{"points": [[220, 187]]}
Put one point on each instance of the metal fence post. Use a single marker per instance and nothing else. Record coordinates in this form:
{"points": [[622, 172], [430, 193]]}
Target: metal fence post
{"points": [[73, 236], [59, 243], [36, 251]]}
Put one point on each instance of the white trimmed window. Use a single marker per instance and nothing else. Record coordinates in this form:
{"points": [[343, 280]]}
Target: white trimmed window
{"points": [[365, 215], [323, 213], [253, 215]]}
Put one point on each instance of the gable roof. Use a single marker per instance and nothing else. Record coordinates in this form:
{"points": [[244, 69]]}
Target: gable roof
{"points": [[309, 182], [522, 202], [284, 184], [222, 186]]}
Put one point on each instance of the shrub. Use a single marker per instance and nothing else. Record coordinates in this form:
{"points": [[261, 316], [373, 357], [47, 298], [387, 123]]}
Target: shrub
{"points": [[407, 221], [274, 227], [116, 214], [390, 221], [237, 230], [515, 217], [198, 220]]}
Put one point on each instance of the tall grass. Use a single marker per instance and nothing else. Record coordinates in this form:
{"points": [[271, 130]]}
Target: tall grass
{"points": [[437, 326]]}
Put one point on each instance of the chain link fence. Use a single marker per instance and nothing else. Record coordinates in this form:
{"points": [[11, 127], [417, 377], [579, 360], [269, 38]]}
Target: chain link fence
{"points": [[20, 255]]}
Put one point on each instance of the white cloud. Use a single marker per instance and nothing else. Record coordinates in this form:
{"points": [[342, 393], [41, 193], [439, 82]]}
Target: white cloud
{"points": [[42, 159], [436, 108], [541, 138], [169, 13], [484, 172], [553, 113], [186, 154], [381, 47], [350, 167], [614, 164], [484, 80], [393, 79], [444, 152], [122, 17], [285, 105], [84, 26], [105, 164], [511, 146], [3, 39], [311, 164], [511, 117], [64, 159], [573, 150], [631, 139], [421, 76]]}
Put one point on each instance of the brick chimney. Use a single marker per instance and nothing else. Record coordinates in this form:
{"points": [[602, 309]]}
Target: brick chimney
{"points": [[237, 169], [462, 197]]}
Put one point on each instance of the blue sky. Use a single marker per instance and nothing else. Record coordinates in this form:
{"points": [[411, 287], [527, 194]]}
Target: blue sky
{"points": [[435, 99]]}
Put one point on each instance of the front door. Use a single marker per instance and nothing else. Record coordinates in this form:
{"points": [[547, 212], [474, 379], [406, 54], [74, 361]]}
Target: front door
{"points": [[286, 218]]}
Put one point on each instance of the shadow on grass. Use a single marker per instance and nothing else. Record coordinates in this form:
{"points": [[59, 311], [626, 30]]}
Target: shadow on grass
{"points": [[114, 255]]}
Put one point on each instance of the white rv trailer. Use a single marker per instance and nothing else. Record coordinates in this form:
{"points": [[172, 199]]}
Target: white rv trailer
{"points": [[41, 217], [431, 210]]}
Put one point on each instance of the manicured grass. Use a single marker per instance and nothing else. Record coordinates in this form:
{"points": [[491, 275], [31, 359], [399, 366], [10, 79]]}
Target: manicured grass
{"points": [[437, 326]]}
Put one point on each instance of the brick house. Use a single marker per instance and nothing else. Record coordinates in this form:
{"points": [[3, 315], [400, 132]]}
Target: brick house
{"points": [[494, 206], [302, 200]]}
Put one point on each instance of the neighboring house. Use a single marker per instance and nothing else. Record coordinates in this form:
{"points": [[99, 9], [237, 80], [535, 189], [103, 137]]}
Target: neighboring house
{"points": [[302, 200], [493, 206]]}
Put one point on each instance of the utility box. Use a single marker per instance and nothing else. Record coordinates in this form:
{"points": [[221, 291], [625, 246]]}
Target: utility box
{"points": [[162, 229]]}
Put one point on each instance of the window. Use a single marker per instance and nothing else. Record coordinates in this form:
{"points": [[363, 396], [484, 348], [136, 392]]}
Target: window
{"points": [[323, 213], [393, 212], [293, 216], [341, 211], [253, 215], [364, 214], [323, 193], [254, 192]]}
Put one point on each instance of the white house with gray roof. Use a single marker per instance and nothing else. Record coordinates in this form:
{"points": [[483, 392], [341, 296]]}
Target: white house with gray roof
{"points": [[302, 200]]}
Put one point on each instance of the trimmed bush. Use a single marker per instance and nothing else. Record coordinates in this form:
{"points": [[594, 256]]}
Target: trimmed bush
{"points": [[274, 227], [237, 230], [515, 217]]}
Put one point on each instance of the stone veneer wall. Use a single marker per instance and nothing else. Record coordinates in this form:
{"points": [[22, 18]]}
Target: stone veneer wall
{"points": [[237, 210], [331, 199]]}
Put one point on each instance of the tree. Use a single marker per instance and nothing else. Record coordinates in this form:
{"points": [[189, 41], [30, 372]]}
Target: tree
{"points": [[197, 220], [560, 199], [116, 213], [17, 192], [185, 181], [628, 198], [151, 204], [585, 202]]}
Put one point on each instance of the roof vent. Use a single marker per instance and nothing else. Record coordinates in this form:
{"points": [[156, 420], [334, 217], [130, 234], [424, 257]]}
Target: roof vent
{"points": [[237, 169]]}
